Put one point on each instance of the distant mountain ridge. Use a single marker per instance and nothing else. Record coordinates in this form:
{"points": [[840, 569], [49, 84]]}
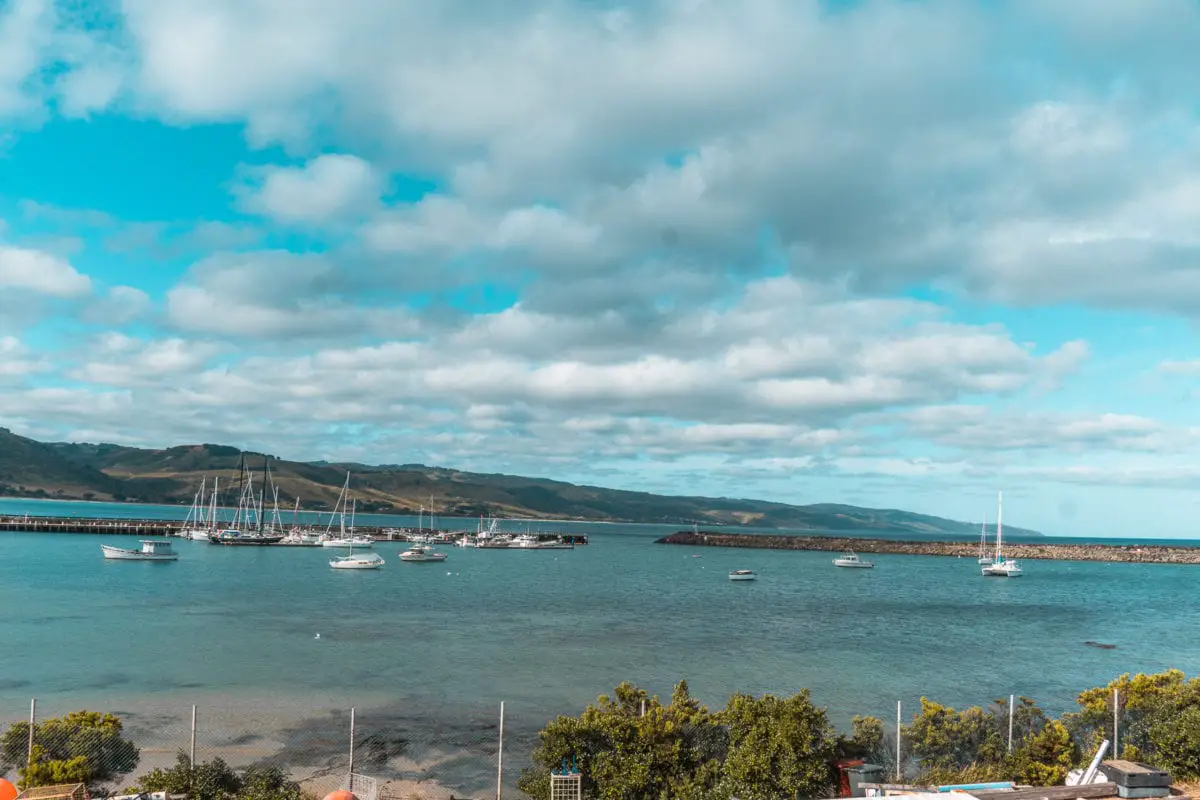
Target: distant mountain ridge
{"points": [[71, 471]]}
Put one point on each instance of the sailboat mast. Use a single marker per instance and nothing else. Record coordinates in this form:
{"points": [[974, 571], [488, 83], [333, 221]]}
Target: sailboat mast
{"points": [[999, 522]]}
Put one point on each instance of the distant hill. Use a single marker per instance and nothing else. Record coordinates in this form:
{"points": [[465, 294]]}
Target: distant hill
{"points": [[29, 468]]}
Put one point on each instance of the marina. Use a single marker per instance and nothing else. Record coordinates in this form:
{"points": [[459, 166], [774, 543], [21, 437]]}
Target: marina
{"points": [[174, 528]]}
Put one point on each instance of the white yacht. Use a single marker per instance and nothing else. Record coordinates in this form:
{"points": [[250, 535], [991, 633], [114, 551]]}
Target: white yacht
{"points": [[347, 541], [852, 561], [420, 553], [742, 575], [358, 561], [151, 550], [1001, 567], [526, 541]]}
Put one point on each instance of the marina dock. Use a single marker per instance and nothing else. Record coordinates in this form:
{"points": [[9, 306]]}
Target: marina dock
{"points": [[164, 528]]}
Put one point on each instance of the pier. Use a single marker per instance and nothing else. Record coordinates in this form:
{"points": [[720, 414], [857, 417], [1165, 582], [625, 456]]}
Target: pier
{"points": [[167, 527], [1084, 551]]}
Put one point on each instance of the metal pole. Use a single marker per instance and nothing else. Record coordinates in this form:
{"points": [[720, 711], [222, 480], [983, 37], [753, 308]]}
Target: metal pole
{"points": [[500, 755], [192, 749], [350, 776], [1116, 718], [1010, 721], [643, 708], [32, 722], [898, 773]]}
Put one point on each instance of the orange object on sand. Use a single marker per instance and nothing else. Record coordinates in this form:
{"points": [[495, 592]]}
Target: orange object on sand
{"points": [[7, 790], [340, 794]]}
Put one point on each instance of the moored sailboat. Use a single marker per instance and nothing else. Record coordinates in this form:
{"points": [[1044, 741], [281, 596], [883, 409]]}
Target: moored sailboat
{"points": [[1000, 567]]}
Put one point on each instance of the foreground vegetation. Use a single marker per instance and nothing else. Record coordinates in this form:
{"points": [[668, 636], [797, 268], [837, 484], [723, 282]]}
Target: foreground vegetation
{"points": [[632, 745]]}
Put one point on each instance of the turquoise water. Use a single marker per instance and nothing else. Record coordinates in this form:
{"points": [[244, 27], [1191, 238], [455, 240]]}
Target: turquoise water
{"points": [[548, 631]]}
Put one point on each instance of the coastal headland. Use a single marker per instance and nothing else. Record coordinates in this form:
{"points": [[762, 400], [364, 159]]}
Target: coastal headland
{"points": [[1137, 553]]}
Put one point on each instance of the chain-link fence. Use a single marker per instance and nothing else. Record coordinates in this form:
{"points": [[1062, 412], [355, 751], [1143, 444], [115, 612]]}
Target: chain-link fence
{"points": [[381, 753]]}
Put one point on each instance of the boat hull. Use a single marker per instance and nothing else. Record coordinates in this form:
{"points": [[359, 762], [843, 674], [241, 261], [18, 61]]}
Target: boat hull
{"points": [[121, 554], [854, 565], [357, 562], [345, 543], [422, 559], [740, 578]]}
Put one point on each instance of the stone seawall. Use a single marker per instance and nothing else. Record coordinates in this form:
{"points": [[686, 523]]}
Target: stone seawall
{"points": [[1149, 554]]}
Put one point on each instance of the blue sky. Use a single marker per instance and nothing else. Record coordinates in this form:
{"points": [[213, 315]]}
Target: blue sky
{"points": [[897, 254]]}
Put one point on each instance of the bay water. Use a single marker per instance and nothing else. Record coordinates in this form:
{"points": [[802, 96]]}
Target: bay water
{"points": [[441, 645]]}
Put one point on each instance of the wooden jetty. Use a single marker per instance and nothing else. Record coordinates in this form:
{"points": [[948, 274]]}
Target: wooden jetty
{"points": [[167, 527]]}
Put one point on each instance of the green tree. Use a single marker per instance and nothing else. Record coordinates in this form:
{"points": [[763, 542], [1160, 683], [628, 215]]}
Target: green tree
{"points": [[1044, 758], [208, 780], [268, 783], [778, 747], [1175, 742], [867, 740], [945, 740], [82, 746], [214, 780], [625, 753]]}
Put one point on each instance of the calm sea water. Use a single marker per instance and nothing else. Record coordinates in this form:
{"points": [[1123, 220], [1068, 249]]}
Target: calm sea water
{"points": [[548, 631]]}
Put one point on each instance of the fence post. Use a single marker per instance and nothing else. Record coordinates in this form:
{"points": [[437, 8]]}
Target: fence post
{"points": [[350, 776], [192, 748], [32, 722], [1010, 721], [500, 756], [1116, 719], [898, 718]]}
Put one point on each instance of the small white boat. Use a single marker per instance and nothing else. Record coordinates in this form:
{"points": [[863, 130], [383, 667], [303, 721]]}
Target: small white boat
{"points": [[526, 541], [348, 541], [420, 553], [151, 550], [1003, 568], [852, 561], [358, 561], [742, 575]]}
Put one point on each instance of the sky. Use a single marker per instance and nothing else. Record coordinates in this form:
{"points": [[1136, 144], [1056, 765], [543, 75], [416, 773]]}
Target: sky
{"points": [[896, 254]]}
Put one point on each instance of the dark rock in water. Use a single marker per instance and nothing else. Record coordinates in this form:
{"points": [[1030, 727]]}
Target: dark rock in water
{"points": [[1100, 645]]}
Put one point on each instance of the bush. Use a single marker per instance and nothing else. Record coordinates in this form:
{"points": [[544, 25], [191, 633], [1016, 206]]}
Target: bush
{"points": [[81, 747]]}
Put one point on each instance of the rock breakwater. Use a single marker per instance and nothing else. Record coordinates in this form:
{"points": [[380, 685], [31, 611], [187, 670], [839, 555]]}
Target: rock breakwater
{"points": [[1148, 554]]}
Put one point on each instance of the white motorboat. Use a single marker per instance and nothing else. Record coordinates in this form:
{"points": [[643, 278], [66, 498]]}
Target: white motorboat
{"points": [[151, 550], [526, 541], [1001, 567], [358, 561], [742, 575], [852, 561], [420, 553]]}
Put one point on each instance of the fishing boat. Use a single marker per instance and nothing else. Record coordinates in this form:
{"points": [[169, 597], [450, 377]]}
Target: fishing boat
{"points": [[420, 553], [151, 550], [742, 575], [852, 561], [1001, 567], [526, 541]]}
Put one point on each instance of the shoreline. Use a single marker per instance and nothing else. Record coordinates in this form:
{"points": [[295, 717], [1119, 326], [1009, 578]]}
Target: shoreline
{"points": [[1084, 551]]}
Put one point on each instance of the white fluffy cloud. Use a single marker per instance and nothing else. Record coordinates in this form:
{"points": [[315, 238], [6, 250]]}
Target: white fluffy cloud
{"points": [[687, 231], [325, 189], [23, 268]]}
